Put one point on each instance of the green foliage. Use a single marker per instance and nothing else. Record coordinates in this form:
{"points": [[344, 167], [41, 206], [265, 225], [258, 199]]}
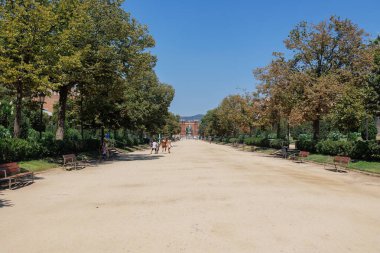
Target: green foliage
{"points": [[366, 150], [353, 136], [233, 140], [18, 149], [331, 147], [335, 136], [372, 129], [4, 133], [306, 145], [265, 142]]}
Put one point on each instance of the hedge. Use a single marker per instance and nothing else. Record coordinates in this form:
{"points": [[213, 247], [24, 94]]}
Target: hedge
{"points": [[14, 150], [331, 147], [366, 150], [305, 145], [265, 142]]}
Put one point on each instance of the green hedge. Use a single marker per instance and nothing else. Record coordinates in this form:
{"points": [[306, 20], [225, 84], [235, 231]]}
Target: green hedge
{"points": [[233, 140], [305, 145], [365, 150], [265, 142], [14, 150], [331, 147]]}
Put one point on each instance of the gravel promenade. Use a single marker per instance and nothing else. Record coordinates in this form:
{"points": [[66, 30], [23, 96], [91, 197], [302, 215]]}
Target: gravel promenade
{"points": [[202, 198]]}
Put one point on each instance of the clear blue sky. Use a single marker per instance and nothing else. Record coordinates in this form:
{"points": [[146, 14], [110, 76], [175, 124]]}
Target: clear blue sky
{"points": [[207, 49]]}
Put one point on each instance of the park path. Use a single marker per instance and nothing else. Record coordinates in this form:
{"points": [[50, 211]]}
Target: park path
{"points": [[201, 198]]}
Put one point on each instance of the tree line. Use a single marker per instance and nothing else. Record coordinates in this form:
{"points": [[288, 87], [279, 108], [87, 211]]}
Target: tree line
{"points": [[332, 76], [93, 53]]}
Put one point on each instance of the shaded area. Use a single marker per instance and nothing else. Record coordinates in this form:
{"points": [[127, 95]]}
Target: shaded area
{"points": [[5, 202], [138, 157]]}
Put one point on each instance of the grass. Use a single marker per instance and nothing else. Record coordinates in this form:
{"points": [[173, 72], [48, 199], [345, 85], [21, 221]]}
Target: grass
{"points": [[366, 166], [373, 167], [38, 165], [320, 158]]}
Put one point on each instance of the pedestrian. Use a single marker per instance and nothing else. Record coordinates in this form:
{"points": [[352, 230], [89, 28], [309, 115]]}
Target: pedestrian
{"points": [[104, 150], [169, 144], [154, 147]]}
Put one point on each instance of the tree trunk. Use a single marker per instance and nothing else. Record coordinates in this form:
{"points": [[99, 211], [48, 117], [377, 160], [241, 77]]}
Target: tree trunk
{"points": [[288, 133], [81, 117], [102, 136], [366, 128], [316, 129], [278, 125], [17, 122], [63, 93]]}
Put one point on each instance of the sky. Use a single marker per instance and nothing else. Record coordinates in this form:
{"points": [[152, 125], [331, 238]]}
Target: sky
{"points": [[207, 49]]}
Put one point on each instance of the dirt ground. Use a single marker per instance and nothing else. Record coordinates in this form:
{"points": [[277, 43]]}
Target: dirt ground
{"points": [[201, 198]]}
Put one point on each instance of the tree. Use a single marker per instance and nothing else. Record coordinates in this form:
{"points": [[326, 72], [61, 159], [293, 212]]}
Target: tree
{"points": [[329, 56], [278, 91], [25, 29], [172, 125], [69, 43]]}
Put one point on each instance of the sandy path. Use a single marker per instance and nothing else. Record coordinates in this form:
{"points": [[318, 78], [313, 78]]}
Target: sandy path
{"points": [[202, 198]]}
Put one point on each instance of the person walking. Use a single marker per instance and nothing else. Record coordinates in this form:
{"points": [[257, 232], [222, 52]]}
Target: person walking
{"points": [[169, 144], [104, 150], [154, 147]]}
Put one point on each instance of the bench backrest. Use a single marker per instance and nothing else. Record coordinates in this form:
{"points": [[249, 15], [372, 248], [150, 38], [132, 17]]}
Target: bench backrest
{"points": [[9, 169], [304, 154], [69, 158], [342, 160]]}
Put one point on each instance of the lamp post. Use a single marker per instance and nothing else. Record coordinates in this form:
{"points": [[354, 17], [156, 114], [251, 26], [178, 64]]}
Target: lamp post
{"points": [[41, 100]]}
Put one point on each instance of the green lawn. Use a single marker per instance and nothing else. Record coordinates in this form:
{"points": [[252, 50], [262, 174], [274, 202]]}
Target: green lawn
{"points": [[38, 165], [373, 167], [366, 166]]}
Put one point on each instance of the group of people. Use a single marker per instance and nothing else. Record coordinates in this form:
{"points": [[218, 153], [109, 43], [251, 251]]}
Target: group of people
{"points": [[165, 144]]}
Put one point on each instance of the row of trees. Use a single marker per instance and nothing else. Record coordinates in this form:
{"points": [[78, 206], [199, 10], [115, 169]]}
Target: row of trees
{"points": [[92, 52], [333, 76]]}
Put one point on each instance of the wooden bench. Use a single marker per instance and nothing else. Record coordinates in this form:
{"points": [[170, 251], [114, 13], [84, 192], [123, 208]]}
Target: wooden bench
{"points": [[11, 175], [341, 162], [70, 162]]}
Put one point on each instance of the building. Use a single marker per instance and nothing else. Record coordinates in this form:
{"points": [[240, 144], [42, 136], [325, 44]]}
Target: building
{"points": [[50, 101], [189, 128]]}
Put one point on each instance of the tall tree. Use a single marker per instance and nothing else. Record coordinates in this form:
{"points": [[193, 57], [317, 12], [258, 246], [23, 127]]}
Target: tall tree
{"points": [[329, 55], [25, 29]]}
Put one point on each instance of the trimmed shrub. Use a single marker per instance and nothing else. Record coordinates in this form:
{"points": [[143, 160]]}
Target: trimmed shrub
{"points": [[305, 145], [335, 136], [353, 136], [367, 150], [233, 140], [330, 147], [12, 150], [278, 143], [266, 143]]}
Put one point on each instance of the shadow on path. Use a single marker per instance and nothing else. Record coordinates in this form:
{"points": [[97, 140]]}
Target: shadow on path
{"points": [[5, 202], [132, 157]]}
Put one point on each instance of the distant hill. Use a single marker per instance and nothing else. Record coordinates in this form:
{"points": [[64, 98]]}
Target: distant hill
{"points": [[195, 117]]}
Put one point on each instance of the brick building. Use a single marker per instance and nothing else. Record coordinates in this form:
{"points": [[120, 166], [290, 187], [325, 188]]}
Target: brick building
{"points": [[189, 129], [50, 101]]}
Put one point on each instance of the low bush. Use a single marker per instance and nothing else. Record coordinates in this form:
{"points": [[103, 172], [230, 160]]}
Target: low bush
{"points": [[18, 149], [278, 143], [366, 150], [330, 147], [305, 144], [265, 142], [233, 140]]}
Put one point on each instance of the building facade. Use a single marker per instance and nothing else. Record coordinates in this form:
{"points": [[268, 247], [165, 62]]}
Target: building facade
{"points": [[190, 129]]}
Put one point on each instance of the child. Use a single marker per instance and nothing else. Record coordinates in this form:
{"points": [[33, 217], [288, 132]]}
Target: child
{"points": [[154, 147]]}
